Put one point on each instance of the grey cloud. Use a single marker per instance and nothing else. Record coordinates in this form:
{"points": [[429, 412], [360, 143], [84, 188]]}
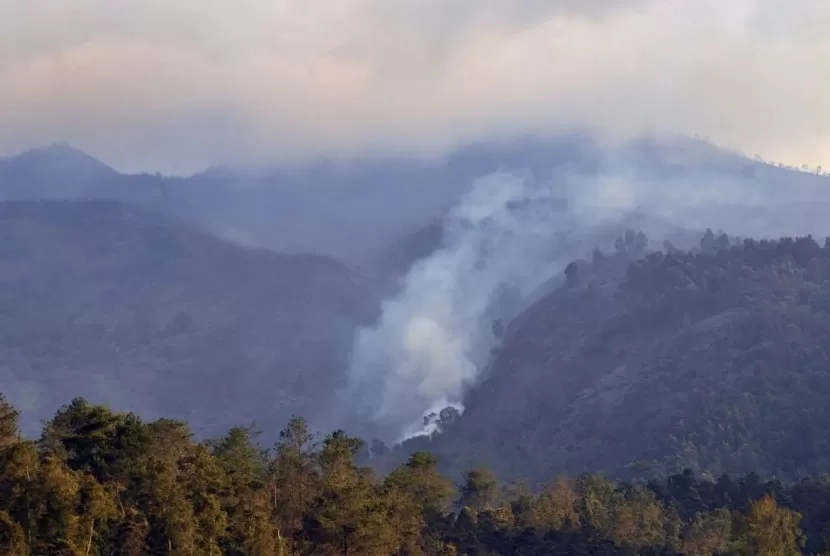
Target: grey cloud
{"points": [[176, 86]]}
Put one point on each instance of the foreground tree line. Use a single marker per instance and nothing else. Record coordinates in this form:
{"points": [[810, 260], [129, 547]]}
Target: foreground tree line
{"points": [[104, 483]]}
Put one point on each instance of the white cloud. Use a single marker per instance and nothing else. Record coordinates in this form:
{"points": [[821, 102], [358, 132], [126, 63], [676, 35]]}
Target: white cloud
{"points": [[153, 84]]}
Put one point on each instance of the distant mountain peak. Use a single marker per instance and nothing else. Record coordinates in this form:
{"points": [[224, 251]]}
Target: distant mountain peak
{"points": [[59, 157]]}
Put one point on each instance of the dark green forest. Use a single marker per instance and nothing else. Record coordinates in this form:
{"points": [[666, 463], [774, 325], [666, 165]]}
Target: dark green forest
{"points": [[642, 364], [99, 482]]}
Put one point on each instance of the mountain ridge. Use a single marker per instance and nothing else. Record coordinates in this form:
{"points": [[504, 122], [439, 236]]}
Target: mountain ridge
{"points": [[370, 204]]}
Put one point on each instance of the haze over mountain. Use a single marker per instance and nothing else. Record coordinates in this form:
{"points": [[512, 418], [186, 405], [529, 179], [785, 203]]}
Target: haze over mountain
{"points": [[505, 241], [450, 253], [119, 304], [357, 209], [477, 227]]}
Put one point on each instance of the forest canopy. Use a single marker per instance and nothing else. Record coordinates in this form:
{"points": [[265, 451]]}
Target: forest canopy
{"points": [[644, 363], [99, 482]]}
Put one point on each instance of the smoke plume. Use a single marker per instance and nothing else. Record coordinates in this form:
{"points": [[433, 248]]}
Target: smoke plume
{"points": [[507, 238]]}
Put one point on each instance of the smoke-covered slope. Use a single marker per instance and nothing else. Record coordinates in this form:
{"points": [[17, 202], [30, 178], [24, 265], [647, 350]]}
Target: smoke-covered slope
{"points": [[715, 361], [123, 305], [503, 246]]}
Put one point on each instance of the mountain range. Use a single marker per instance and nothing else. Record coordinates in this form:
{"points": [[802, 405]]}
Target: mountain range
{"points": [[359, 210], [233, 297]]}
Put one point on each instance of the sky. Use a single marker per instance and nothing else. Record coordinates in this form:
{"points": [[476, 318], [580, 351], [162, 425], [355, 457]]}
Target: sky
{"points": [[155, 85]]}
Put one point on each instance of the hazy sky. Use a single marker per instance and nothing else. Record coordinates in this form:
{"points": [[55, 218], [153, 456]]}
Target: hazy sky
{"points": [[177, 85]]}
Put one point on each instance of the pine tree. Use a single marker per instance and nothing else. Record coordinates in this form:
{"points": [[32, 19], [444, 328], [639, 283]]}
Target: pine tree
{"points": [[292, 483], [772, 531]]}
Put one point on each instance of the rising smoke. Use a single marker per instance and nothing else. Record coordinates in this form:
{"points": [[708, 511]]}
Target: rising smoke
{"points": [[509, 236]]}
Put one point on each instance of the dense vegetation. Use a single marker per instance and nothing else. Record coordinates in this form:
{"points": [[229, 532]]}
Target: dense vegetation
{"points": [[105, 483], [644, 363]]}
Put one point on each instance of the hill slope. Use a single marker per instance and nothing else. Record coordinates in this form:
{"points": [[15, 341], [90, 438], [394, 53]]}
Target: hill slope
{"points": [[116, 303], [715, 360]]}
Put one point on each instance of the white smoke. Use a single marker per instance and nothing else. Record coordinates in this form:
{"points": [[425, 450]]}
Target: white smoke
{"points": [[503, 240], [432, 421]]}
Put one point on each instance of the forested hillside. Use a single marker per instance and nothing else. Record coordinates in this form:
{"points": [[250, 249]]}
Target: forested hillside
{"points": [[103, 483], [123, 305], [635, 364], [648, 363]]}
